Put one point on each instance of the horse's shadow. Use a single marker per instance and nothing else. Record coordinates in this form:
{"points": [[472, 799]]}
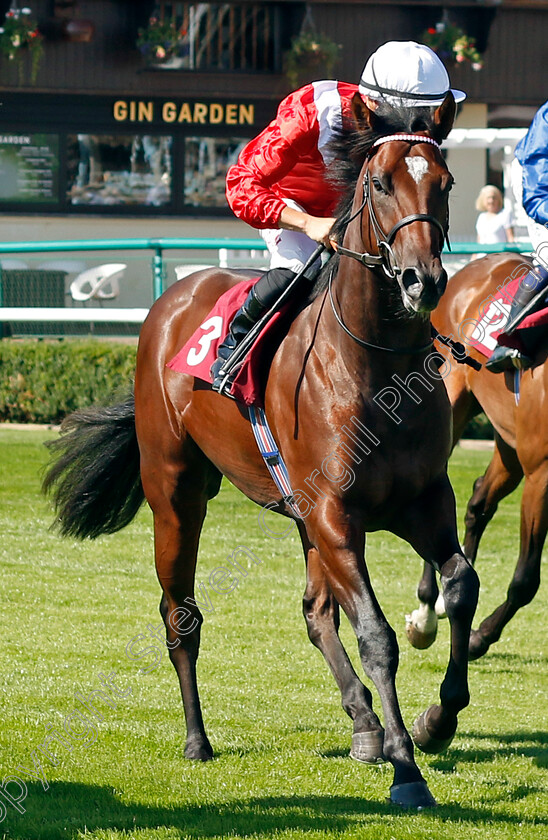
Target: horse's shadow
{"points": [[533, 745], [68, 808], [506, 662]]}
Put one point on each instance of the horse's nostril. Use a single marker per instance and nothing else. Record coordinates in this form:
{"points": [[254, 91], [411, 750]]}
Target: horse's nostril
{"points": [[414, 291], [412, 283]]}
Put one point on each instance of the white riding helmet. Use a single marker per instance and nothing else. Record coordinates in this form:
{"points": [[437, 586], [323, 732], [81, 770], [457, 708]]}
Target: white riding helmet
{"points": [[406, 73]]}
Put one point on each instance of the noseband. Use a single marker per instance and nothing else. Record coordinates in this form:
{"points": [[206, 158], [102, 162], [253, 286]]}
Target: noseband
{"points": [[385, 257]]}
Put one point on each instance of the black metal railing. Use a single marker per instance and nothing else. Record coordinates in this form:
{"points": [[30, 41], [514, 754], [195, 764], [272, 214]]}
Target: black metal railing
{"points": [[226, 36]]}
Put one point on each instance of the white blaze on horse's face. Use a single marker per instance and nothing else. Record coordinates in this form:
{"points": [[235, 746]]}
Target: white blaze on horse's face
{"points": [[417, 167]]}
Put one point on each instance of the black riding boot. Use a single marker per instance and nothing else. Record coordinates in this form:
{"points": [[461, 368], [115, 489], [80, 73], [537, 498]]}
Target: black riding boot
{"points": [[261, 297], [528, 297]]}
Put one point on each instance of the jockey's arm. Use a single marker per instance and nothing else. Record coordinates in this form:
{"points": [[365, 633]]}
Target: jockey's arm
{"points": [[316, 228]]}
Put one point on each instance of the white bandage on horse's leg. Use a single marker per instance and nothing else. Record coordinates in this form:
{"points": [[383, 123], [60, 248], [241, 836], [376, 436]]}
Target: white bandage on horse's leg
{"points": [[424, 619]]}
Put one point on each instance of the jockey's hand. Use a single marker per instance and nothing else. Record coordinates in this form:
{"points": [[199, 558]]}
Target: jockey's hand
{"points": [[313, 226], [319, 229]]}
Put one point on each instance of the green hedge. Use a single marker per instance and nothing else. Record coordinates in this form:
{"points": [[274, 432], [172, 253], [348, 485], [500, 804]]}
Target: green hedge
{"points": [[43, 381], [479, 429]]}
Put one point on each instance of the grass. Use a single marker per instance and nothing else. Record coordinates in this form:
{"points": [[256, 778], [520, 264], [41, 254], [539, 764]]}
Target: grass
{"points": [[271, 707]]}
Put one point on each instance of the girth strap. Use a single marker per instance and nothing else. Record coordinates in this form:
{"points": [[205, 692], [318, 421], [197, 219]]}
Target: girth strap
{"points": [[272, 456]]}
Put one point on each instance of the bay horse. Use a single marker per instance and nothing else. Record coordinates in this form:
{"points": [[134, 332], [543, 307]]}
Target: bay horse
{"points": [[520, 449], [364, 329]]}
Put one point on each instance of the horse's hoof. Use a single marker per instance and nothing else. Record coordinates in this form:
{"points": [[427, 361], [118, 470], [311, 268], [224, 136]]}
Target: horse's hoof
{"points": [[418, 638], [367, 747], [198, 750], [426, 742], [477, 646], [412, 795]]}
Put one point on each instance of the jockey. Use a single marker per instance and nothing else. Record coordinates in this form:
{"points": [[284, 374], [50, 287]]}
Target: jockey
{"points": [[279, 184], [530, 184]]}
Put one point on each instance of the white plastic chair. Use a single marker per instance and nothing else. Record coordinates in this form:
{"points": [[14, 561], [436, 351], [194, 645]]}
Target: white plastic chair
{"points": [[13, 264], [70, 266], [98, 283], [246, 258], [184, 270]]}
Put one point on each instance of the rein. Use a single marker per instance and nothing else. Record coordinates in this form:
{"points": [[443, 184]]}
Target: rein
{"points": [[412, 351], [458, 351]]}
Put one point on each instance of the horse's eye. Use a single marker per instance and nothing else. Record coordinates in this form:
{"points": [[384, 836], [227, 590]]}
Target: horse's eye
{"points": [[378, 186]]}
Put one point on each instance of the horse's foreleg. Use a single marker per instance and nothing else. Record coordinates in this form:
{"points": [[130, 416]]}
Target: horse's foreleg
{"points": [[178, 499], [321, 613], [526, 579], [340, 543], [429, 525], [464, 405], [501, 477]]}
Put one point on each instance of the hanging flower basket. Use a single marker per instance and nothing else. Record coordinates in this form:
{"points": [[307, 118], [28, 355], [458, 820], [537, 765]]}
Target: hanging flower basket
{"points": [[19, 38], [78, 31], [311, 54], [162, 44], [452, 44]]}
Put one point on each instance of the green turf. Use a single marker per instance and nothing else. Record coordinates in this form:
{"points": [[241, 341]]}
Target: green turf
{"points": [[271, 707]]}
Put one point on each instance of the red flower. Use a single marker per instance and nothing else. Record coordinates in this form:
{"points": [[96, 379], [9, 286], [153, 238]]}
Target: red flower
{"points": [[431, 31]]}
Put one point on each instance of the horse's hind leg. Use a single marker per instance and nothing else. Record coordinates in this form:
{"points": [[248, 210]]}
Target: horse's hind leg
{"points": [[178, 483], [501, 477], [421, 626], [526, 579], [321, 613]]}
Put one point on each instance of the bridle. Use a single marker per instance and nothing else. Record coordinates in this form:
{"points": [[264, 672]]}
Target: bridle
{"points": [[385, 258]]}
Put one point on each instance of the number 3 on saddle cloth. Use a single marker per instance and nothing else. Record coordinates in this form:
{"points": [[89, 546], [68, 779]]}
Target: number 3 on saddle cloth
{"points": [[489, 326], [200, 351]]}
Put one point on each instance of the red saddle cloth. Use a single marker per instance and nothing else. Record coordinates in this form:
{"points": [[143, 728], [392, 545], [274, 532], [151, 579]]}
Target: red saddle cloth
{"points": [[489, 329], [200, 351]]}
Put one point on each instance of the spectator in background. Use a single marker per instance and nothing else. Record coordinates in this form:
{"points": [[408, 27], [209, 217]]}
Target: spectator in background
{"points": [[494, 223]]}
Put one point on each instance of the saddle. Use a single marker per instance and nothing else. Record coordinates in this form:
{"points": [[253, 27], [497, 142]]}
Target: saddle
{"points": [[489, 332], [200, 351]]}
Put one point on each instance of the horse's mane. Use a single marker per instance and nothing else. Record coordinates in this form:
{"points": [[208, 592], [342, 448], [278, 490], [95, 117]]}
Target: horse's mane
{"points": [[349, 148]]}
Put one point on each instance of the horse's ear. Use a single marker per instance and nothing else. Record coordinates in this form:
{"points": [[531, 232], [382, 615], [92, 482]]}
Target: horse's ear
{"points": [[444, 117], [364, 117]]}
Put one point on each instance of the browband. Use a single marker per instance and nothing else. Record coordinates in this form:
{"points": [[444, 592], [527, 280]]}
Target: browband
{"points": [[410, 138], [427, 97]]}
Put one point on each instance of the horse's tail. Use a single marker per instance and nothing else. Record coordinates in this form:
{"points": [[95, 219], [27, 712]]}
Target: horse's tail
{"points": [[94, 476]]}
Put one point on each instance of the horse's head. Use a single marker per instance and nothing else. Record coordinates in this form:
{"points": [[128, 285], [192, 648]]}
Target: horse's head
{"points": [[405, 204]]}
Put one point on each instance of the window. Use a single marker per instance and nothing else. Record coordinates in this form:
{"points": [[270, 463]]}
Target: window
{"points": [[207, 160], [225, 36], [117, 174], [130, 170]]}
